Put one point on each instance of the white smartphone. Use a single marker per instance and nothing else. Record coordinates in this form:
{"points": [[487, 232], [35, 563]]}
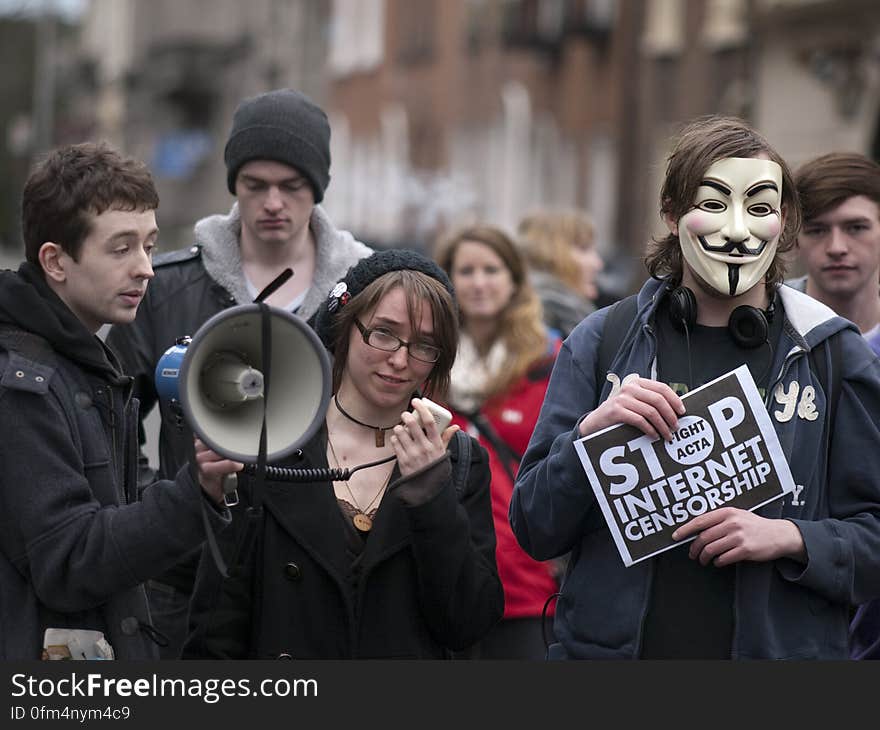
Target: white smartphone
{"points": [[442, 417]]}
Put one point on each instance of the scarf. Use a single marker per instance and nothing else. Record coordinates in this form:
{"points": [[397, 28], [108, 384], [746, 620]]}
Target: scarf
{"points": [[471, 373]]}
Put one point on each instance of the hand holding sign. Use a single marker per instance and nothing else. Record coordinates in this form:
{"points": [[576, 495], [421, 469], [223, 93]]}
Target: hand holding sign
{"points": [[648, 405], [730, 535], [709, 470]]}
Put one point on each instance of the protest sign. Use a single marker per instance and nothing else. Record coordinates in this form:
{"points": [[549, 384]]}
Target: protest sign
{"points": [[724, 453]]}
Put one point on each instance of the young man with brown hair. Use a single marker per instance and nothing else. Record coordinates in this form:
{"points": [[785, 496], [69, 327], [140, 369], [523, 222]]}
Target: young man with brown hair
{"points": [[76, 539], [839, 242]]}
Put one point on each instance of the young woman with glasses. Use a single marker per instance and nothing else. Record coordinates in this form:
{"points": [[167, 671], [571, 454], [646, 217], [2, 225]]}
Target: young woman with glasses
{"points": [[399, 560]]}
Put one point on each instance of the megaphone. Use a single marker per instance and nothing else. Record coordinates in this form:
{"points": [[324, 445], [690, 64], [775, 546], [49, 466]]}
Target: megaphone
{"points": [[218, 379]]}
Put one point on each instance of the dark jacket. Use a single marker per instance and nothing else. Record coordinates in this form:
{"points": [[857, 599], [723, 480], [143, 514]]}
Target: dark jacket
{"points": [[425, 583], [74, 546], [783, 609]]}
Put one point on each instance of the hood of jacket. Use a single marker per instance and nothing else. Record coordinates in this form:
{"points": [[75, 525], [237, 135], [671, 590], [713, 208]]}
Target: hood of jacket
{"points": [[219, 236], [28, 303]]}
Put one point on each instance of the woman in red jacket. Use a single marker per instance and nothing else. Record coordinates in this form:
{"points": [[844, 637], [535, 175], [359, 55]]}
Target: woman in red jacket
{"points": [[497, 387]]}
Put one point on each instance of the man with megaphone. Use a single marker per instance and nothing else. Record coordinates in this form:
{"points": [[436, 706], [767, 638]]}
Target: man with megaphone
{"points": [[278, 167], [76, 540]]}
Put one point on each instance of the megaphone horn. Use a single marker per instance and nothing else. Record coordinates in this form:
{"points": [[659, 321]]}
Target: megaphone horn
{"points": [[229, 380], [217, 377]]}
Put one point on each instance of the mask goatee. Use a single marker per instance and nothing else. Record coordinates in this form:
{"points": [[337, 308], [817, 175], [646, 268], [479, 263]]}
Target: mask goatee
{"points": [[733, 277]]}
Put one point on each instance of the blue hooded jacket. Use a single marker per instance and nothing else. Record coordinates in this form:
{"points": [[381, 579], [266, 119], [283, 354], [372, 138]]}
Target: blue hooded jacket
{"points": [[783, 609]]}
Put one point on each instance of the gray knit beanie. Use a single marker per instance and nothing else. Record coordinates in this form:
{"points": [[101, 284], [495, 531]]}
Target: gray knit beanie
{"points": [[285, 126]]}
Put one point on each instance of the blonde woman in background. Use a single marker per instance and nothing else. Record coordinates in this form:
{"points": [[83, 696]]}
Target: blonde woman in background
{"points": [[560, 250], [497, 385]]}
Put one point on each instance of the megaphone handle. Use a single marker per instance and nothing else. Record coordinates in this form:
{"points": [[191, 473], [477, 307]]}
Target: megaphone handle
{"points": [[230, 490]]}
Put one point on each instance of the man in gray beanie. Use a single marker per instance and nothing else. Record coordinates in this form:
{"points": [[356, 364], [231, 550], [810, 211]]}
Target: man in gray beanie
{"points": [[284, 126], [278, 167]]}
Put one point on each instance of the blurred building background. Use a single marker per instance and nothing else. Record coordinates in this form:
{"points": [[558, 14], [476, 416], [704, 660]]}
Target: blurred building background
{"points": [[441, 110]]}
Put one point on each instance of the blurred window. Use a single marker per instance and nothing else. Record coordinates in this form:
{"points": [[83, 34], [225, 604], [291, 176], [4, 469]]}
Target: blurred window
{"points": [[357, 36], [664, 27]]}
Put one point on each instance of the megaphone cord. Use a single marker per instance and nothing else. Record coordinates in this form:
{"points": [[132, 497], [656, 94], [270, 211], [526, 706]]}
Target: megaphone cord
{"points": [[288, 474]]}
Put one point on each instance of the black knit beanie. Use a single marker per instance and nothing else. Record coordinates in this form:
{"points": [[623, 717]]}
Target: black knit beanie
{"points": [[285, 126], [362, 274]]}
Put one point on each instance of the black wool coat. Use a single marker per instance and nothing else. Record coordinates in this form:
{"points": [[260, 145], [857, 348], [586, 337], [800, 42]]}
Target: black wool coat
{"points": [[425, 584]]}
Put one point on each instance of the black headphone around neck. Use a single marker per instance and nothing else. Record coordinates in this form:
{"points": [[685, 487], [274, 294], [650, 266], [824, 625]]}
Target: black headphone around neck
{"points": [[748, 326]]}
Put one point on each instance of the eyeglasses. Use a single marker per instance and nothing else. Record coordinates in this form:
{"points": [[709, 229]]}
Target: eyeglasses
{"points": [[382, 339]]}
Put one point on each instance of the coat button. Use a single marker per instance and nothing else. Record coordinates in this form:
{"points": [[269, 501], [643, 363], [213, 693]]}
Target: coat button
{"points": [[83, 400], [292, 571], [129, 625]]}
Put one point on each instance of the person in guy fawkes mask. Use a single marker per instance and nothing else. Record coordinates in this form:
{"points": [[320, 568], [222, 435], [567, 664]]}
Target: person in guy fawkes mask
{"points": [[773, 583]]}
